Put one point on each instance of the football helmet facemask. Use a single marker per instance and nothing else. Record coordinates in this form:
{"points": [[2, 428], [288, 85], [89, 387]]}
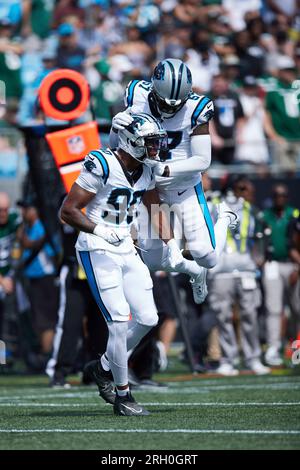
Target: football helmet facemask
{"points": [[144, 139]]}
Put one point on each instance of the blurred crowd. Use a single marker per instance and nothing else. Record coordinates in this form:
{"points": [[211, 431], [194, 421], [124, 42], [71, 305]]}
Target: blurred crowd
{"points": [[244, 54]]}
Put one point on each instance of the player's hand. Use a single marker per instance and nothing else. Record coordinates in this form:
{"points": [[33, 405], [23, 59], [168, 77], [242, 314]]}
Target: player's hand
{"points": [[121, 120], [175, 257], [108, 234], [159, 169]]}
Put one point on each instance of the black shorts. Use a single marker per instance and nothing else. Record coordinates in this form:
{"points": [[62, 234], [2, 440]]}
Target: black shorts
{"points": [[43, 295]]}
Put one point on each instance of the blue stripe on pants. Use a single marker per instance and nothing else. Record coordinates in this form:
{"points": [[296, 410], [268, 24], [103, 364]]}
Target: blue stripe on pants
{"points": [[88, 268], [206, 213]]}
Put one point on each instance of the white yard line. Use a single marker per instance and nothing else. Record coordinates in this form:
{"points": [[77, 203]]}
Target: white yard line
{"points": [[178, 404], [154, 431], [191, 390]]}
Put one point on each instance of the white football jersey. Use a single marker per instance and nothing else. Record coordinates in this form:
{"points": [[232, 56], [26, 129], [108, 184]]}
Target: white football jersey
{"points": [[197, 110], [117, 196]]}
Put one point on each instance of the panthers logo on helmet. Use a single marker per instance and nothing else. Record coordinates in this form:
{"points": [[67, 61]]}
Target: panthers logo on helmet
{"points": [[188, 76], [159, 72]]}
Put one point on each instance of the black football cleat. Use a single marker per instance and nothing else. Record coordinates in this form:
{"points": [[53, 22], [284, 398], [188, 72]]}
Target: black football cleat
{"points": [[127, 406], [103, 379]]}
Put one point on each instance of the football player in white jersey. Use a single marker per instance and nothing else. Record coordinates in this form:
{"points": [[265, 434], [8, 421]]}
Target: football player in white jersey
{"points": [[184, 115], [110, 187]]}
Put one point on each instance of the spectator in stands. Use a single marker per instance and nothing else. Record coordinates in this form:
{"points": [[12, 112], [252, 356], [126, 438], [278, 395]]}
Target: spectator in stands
{"points": [[107, 94], [9, 223], [136, 50], [202, 61], [283, 107], [40, 270], [10, 60], [228, 120], [237, 10], [70, 54], [277, 270], [252, 144], [37, 17], [12, 11], [234, 280], [294, 253], [29, 112], [250, 53], [67, 8]]}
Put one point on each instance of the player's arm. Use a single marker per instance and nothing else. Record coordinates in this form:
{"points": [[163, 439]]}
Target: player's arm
{"points": [[198, 162], [71, 211], [91, 179], [200, 143]]}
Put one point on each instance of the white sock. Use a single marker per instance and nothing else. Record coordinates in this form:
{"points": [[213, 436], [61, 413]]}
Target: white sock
{"points": [[104, 362], [123, 392]]}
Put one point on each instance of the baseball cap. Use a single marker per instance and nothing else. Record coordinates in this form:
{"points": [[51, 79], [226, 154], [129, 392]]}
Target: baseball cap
{"points": [[66, 29]]}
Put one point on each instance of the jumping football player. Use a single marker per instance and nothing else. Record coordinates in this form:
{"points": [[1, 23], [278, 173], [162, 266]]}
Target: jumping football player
{"points": [[110, 186], [185, 116]]}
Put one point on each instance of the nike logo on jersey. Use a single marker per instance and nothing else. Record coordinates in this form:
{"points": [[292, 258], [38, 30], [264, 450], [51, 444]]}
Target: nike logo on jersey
{"points": [[181, 192]]}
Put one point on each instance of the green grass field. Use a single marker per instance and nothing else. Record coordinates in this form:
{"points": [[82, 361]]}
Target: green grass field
{"points": [[244, 412]]}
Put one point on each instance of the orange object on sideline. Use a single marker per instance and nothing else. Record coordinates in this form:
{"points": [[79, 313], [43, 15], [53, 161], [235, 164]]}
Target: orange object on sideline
{"points": [[64, 94], [70, 146]]}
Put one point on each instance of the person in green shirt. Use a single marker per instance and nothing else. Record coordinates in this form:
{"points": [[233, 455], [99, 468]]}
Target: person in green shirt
{"points": [[9, 224], [277, 270], [37, 17], [108, 93], [283, 110], [10, 61]]}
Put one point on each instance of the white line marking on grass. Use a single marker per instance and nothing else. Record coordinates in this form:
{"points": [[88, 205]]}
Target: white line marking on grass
{"points": [[186, 390], [178, 404], [223, 404], [154, 431], [50, 395]]}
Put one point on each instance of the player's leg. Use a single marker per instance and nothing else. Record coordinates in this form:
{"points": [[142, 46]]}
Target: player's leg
{"points": [[204, 240], [105, 277], [154, 251], [138, 285]]}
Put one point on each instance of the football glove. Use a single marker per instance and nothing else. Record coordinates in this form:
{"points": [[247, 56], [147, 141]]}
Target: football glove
{"points": [[108, 234], [121, 120]]}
